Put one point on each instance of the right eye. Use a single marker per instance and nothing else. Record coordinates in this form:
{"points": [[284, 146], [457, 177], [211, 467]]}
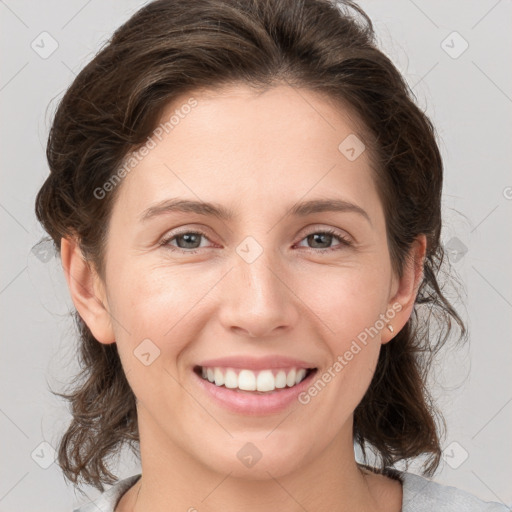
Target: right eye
{"points": [[189, 237]]}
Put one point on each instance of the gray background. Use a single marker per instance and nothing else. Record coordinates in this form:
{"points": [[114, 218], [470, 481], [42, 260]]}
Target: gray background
{"points": [[468, 97]]}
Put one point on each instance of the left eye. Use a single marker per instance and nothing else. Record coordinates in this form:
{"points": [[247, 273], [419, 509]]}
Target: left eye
{"points": [[191, 238], [320, 237]]}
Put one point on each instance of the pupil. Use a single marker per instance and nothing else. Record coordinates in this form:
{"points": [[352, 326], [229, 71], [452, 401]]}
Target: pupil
{"points": [[321, 235], [187, 238]]}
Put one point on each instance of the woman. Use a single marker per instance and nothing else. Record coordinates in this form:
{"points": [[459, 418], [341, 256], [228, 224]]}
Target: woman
{"points": [[247, 205]]}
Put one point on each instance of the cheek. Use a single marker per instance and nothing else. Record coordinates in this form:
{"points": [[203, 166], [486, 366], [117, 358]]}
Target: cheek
{"points": [[153, 299], [347, 304], [153, 312], [347, 301], [149, 304]]}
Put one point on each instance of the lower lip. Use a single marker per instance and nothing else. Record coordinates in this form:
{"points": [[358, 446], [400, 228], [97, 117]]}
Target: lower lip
{"points": [[251, 403]]}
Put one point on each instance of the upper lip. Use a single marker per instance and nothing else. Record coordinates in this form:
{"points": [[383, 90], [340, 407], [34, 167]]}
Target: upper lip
{"points": [[253, 363]]}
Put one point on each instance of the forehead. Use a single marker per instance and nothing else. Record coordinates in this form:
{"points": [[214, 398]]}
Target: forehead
{"points": [[239, 146]]}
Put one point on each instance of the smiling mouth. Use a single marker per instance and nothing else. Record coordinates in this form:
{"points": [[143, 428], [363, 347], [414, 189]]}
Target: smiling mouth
{"points": [[261, 382]]}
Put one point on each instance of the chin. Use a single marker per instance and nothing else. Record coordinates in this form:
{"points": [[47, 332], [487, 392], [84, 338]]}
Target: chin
{"points": [[258, 460]]}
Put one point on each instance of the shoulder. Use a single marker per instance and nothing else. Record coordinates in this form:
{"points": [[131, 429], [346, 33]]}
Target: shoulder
{"points": [[108, 500], [421, 495]]}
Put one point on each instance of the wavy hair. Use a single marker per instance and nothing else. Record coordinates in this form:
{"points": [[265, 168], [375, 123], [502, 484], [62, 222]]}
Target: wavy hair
{"points": [[171, 47]]}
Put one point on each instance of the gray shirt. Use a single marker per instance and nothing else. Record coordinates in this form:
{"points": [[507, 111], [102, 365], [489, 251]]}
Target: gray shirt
{"points": [[419, 495]]}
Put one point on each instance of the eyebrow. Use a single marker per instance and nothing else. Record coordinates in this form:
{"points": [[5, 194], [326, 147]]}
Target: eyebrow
{"points": [[221, 212]]}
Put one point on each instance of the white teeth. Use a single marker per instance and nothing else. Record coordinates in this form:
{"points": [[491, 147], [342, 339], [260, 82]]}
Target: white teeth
{"points": [[300, 375], [219, 377], [265, 381], [247, 380], [290, 378], [231, 380], [280, 380]]}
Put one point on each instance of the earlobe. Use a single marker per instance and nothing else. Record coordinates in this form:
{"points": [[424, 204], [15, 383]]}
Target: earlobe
{"points": [[87, 291], [406, 289]]}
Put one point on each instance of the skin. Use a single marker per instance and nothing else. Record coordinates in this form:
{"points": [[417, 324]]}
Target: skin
{"points": [[258, 155]]}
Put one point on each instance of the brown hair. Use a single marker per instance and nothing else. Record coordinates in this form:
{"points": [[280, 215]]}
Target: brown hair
{"points": [[171, 47]]}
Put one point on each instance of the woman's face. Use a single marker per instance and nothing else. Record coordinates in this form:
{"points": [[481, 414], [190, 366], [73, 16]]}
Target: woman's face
{"points": [[258, 287]]}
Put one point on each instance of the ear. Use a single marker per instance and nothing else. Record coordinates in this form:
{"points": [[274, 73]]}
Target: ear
{"points": [[405, 289], [87, 291]]}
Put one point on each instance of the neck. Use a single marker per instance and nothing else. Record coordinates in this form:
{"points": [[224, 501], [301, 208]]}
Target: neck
{"points": [[331, 481]]}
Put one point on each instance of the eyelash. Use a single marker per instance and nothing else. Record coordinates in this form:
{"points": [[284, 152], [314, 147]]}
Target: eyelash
{"points": [[344, 242]]}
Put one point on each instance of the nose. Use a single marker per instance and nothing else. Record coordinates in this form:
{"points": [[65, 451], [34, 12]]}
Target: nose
{"points": [[258, 298]]}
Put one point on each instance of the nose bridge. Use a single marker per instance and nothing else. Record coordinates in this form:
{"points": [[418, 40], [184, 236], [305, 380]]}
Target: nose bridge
{"points": [[258, 270], [260, 301]]}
